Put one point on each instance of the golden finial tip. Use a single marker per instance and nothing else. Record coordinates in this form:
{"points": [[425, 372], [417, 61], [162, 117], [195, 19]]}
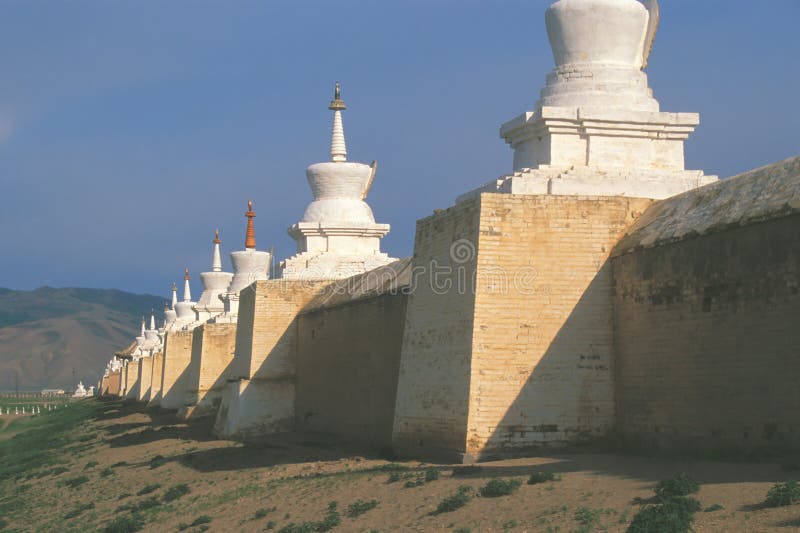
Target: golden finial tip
{"points": [[216, 237]]}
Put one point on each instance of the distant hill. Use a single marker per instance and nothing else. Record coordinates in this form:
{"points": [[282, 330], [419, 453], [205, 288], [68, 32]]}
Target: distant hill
{"points": [[47, 332]]}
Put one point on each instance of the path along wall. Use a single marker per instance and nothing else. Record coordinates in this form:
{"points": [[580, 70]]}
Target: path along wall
{"points": [[348, 356], [707, 317]]}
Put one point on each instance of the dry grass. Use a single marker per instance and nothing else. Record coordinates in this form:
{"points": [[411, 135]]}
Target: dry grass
{"points": [[293, 479]]}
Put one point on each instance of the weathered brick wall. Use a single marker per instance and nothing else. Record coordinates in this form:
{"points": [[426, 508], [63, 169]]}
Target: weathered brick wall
{"points": [[273, 306], [156, 381], [212, 354], [145, 377], [707, 309], [112, 384], [132, 380], [260, 393], [433, 385], [517, 351], [348, 358], [177, 356]]}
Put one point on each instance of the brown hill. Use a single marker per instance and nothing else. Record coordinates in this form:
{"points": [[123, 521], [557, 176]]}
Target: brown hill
{"points": [[47, 332]]}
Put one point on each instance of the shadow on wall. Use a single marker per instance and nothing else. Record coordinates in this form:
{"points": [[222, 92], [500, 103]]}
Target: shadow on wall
{"points": [[563, 396]]}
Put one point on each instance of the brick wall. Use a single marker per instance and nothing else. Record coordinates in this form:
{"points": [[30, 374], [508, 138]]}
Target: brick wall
{"points": [[708, 343], [706, 317], [156, 381], [212, 354], [516, 352], [433, 385], [177, 356], [132, 380], [347, 363], [145, 377]]}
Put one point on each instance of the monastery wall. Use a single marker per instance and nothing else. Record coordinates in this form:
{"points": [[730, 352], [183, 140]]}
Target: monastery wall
{"points": [[145, 377], [177, 356], [112, 384], [432, 402], [132, 380], [348, 357], [213, 348], [155, 380], [516, 351], [706, 314], [259, 397]]}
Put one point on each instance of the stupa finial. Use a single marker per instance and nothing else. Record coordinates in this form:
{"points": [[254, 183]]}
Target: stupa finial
{"points": [[216, 260], [250, 234], [174, 294], [187, 292], [338, 145], [142, 330], [152, 320]]}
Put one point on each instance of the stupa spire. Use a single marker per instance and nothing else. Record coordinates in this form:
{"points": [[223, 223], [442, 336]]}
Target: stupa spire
{"points": [[187, 292], [174, 294], [142, 330], [216, 262], [338, 145], [250, 235], [152, 320]]}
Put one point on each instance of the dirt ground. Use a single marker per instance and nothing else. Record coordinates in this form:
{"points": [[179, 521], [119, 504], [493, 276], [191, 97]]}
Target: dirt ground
{"points": [[293, 479]]}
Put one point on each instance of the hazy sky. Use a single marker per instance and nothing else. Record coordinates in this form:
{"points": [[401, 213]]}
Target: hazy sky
{"points": [[130, 130]]}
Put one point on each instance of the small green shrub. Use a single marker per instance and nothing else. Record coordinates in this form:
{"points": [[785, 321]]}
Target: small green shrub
{"points": [[78, 511], [671, 516], [270, 525], [393, 467], [59, 470], [175, 492], [305, 527], [125, 524], [148, 489], [680, 485], [261, 513], [587, 518], [431, 474], [157, 461], [147, 503], [359, 507], [199, 521], [108, 471], [76, 481], [456, 501], [467, 471], [90, 464], [500, 487], [332, 518], [541, 477], [712, 508], [783, 494]]}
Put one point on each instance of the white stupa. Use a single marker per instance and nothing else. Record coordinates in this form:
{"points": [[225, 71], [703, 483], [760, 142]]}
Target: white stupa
{"points": [[215, 284], [337, 236], [249, 265], [140, 341], [170, 315], [80, 391], [184, 309], [152, 341], [597, 129]]}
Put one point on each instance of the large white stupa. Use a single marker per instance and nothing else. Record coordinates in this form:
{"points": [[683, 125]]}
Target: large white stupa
{"points": [[215, 285], [249, 265], [337, 236], [596, 128]]}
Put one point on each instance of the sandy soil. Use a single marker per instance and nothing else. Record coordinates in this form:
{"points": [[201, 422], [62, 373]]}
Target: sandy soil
{"points": [[293, 478]]}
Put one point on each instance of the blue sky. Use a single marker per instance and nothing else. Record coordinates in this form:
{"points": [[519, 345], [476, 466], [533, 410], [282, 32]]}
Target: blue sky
{"points": [[129, 131]]}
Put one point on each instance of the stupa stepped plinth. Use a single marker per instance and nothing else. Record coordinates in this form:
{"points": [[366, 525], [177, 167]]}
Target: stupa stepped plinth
{"points": [[337, 236], [596, 128]]}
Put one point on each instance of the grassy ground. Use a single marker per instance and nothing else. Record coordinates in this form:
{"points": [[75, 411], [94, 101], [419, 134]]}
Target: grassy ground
{"points": [[98, 466]]}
